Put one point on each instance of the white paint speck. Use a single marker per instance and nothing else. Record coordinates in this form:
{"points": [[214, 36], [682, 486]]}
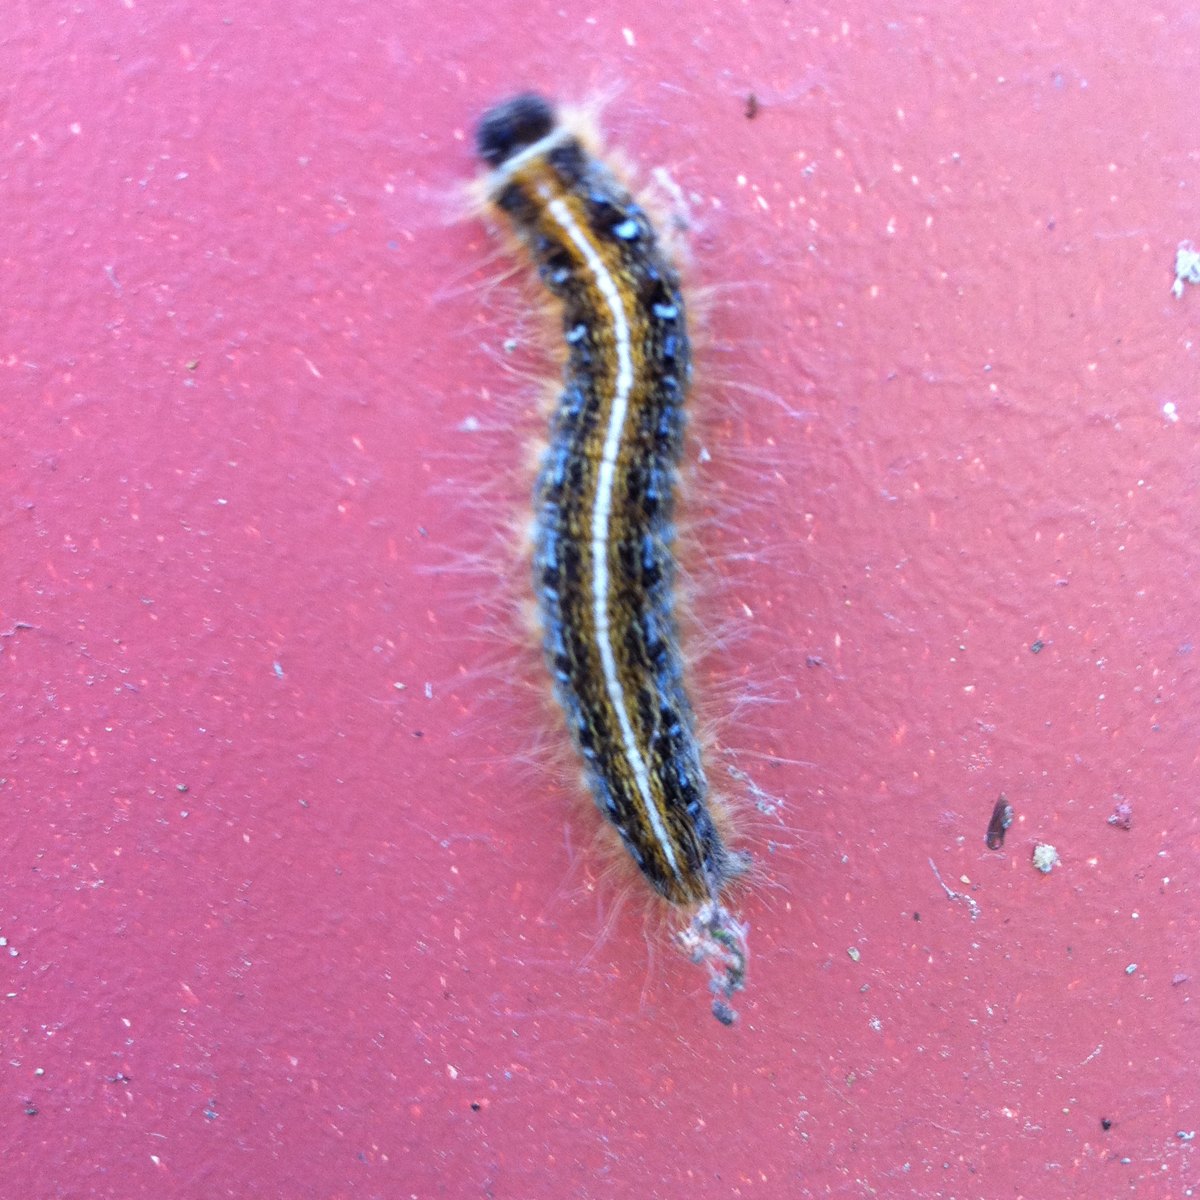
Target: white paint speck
{"points": [[1045, 858]]}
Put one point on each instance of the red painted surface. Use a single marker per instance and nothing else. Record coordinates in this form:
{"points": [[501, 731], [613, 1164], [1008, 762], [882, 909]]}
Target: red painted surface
{"points": [[276, 925]]}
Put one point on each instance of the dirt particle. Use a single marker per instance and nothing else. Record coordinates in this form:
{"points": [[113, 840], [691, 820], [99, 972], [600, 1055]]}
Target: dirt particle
{"points": [[1122, 814]]}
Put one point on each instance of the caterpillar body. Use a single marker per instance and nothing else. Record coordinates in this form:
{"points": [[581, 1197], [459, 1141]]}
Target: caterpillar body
{"points": [[604, 524]]}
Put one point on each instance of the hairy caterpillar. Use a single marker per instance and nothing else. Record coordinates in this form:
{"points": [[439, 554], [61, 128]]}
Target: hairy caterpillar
{"points": [[604, 517]]}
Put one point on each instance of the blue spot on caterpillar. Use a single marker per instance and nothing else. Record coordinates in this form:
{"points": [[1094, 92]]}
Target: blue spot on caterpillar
{"points": [[604, 517]]}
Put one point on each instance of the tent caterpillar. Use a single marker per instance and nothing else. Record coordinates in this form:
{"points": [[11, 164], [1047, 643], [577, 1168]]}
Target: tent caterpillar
{"points": [[604, 517]]}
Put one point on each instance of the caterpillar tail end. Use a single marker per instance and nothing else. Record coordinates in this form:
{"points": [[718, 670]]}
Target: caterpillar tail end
{"points": [[717, 940]]}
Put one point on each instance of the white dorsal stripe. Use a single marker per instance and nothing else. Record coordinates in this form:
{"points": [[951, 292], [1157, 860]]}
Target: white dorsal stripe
{"points": [[501, 175], [602, 512]]}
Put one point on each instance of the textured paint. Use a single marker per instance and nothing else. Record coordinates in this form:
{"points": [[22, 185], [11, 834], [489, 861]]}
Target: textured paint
{"points": [[954, 413]]}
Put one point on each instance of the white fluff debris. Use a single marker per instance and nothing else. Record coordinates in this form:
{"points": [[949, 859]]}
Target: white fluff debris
{"points": [[1187, 267]]}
